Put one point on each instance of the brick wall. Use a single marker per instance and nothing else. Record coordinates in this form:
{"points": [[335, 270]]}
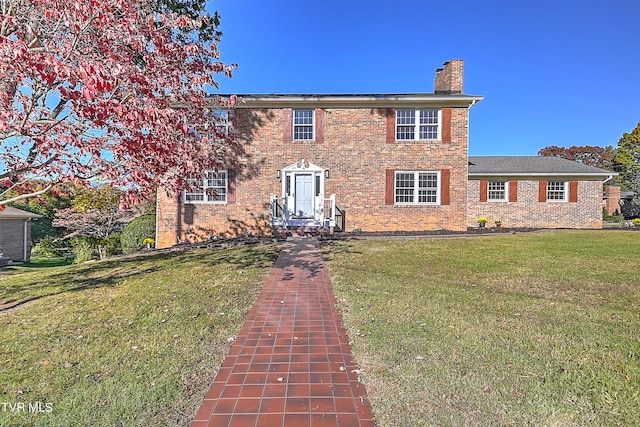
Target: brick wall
{"points": [[527, 211], [355, 152], [612, 199], [12, 239]]}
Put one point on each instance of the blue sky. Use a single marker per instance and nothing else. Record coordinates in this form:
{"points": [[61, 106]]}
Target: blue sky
{"points": [[563, 72]]}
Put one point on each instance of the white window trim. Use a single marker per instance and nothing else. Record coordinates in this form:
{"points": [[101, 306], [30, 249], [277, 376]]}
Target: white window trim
{"points": [[313, 124], [506, 192], [565, 195], [222, 121], [416, 201], [416, 130], [205, 199]]}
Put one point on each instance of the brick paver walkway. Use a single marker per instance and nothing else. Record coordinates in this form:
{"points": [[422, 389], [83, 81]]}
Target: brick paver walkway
{"points": [[291, 363]]}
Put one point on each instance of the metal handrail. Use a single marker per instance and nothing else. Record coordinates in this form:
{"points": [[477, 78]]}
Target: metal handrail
{"points": [[280, 214], [340, 219]]}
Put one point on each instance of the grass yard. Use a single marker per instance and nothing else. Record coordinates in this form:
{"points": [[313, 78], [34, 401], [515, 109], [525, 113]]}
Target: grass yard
{"points": [[527, 329], [124, 342]]}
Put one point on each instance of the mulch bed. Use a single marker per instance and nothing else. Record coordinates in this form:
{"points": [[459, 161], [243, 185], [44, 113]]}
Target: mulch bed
{"points": [[471, 231]]}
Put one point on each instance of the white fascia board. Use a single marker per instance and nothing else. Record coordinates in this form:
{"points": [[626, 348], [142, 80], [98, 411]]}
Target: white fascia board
{"points": [[20, 215], [539, 175], [355, 101]]}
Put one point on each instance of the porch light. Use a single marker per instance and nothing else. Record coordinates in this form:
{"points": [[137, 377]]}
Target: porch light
{"points": [[326, 173], [278, 174]]}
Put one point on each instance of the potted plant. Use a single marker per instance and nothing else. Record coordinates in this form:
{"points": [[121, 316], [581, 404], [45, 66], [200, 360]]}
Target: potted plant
{"points": [[149, 242], [497, 222], [323, 231], [482, 221], [284, 232]]}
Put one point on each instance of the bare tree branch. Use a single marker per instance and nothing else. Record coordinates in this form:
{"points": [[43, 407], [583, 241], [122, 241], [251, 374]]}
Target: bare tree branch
{"points": [[27, 195]]}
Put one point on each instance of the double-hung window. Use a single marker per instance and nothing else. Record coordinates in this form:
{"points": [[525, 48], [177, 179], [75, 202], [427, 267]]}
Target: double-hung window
{"points": [[497, 191], [557, 191], [303, 125], [417, 124], [210, 188], [221, 120], [417, 188]]}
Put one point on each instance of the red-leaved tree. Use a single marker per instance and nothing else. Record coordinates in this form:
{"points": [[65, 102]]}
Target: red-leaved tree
{"points": [[105, 89], [588, 155]]}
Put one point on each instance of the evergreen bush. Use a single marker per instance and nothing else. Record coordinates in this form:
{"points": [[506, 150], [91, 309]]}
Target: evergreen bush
{"points": [[134, 234]]}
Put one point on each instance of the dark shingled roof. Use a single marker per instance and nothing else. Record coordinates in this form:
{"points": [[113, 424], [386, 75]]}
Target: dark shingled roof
{"points": [[13, 213], [531, 166]]}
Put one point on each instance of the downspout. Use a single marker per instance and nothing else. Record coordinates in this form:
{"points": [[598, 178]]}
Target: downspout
{"points": [[608, 179], [474, 102], [26, 227]]}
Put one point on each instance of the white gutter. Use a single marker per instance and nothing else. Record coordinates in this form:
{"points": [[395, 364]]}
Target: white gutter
{"points": [[347, 101], [26, 221], [536, 174]]}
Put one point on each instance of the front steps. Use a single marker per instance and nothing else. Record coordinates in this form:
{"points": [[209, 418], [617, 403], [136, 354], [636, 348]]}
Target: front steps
{"points": [[300, 231]]}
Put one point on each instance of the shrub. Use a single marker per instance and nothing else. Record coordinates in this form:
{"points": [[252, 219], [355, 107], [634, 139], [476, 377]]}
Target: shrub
{"points": [[614, 217], [84, 248], [47, 248], [110, 245], [135, 233]]}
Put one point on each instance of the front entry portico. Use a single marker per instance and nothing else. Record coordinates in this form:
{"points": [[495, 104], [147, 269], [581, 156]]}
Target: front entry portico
{"points": [[303, 202]]}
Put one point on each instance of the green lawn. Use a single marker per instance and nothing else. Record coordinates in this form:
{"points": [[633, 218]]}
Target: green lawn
{"points": [[122, 342], [527, 329]]}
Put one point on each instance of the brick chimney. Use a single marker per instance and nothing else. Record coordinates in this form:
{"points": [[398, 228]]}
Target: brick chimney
{"points": [[612, 199], [449, 79]]}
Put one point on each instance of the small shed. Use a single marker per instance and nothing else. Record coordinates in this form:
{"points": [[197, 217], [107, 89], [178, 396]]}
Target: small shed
{"points": [[15, 234]]}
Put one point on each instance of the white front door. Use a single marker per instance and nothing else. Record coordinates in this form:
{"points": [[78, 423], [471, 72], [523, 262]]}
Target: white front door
{"points": [[303, 195]]}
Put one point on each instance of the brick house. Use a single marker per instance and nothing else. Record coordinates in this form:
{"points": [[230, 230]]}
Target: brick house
{"points": [[382, 161], [15, 234], [378, 162], [535, 191]]}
